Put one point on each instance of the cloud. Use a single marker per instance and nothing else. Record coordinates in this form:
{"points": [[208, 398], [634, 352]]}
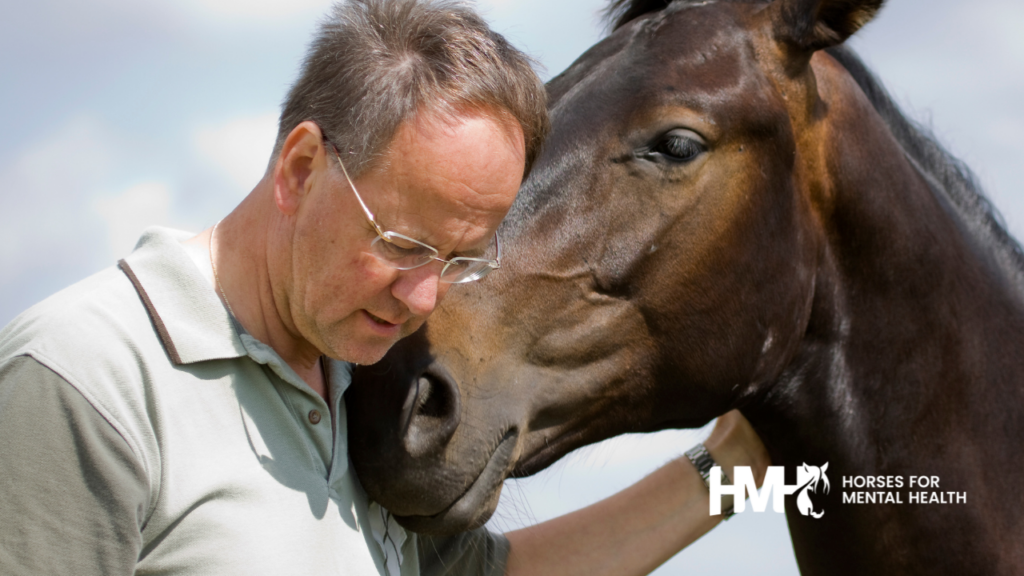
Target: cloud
{"points": [[48, 235], [267, 10], [240, 148], [127, 214], [45, 188], [67, 212], [555, 33], [1000, 22]]}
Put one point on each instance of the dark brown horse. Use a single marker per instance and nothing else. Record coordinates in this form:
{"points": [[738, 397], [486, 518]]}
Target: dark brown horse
{"points": [[727, 216]]}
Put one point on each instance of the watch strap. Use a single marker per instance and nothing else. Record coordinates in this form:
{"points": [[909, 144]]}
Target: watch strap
{"points": [[703, 462]]}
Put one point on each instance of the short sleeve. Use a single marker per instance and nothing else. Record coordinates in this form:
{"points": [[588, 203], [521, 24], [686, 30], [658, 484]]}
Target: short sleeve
{"points": [[475, 553], [73, 496]]}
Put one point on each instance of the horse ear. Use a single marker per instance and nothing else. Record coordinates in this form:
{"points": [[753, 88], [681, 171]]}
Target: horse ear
{"points": [[825, 467], [810, 25]]}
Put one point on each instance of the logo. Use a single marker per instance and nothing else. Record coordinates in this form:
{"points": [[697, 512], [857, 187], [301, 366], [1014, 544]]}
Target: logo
{"points": [[814, 477], [808, 479]]}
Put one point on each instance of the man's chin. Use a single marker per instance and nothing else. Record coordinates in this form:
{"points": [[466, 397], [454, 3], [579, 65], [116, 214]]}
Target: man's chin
{"points": [[368, 350], [364, 353], [363, 343]]}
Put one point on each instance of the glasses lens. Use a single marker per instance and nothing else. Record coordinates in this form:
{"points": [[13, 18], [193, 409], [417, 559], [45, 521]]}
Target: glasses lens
{"points": [[402, 252], [462, 270]]}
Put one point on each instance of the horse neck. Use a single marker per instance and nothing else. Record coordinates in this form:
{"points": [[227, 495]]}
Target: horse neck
{"points": [[917, 322], [910, 363]]}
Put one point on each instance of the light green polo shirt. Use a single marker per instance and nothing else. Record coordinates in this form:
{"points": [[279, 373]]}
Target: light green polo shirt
{"points": [[141, 432]]}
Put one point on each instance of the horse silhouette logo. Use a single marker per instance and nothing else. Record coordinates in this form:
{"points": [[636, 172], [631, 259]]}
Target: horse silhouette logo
{"points": [[808, 478]]}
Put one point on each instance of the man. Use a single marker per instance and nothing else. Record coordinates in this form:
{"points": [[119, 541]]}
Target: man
{"points": [[183, 412]]}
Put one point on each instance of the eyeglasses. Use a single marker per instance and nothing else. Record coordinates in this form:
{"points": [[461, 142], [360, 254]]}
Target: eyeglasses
{"points": [[403, 253]]}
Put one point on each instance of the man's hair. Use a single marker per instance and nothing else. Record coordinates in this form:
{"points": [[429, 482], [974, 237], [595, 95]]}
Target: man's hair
{"points": [[375, 63]]}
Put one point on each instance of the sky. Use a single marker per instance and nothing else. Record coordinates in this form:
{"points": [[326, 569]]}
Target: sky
{"points": [[118, 114]]}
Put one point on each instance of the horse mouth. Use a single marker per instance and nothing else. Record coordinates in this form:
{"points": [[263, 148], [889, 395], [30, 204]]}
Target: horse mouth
{"points": [[546, 455], [476, 505]]}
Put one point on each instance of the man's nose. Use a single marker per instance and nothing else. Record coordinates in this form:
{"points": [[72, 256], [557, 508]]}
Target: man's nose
{"points": [[420, 289]]}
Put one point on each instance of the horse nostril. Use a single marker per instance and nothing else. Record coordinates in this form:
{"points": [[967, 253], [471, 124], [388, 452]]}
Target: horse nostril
{"points": [[435, 413], [433, 400]]}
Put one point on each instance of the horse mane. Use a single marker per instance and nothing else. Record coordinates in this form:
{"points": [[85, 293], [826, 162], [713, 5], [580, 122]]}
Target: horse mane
{"points": [[946, 173]]}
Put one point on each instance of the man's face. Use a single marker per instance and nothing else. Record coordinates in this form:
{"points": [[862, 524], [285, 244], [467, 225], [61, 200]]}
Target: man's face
{"points": [[447, 183]]}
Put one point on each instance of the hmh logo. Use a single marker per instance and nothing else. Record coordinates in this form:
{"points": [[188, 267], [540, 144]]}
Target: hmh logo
{"points": [[808, 479]]}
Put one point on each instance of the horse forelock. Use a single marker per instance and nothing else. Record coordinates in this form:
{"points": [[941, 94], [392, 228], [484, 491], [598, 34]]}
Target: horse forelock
{"points": [[621, 12]]}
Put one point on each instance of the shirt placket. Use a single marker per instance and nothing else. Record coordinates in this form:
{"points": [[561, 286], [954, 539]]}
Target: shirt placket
{"points": [[310, 411]]}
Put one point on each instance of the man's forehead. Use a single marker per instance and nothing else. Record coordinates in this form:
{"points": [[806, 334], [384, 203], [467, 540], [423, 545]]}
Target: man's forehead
{"points": [[449, 179], [479, 151], [434, 126]]}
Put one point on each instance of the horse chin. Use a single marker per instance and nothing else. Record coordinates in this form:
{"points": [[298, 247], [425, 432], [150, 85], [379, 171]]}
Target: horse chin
{"points": [[476, 505]]}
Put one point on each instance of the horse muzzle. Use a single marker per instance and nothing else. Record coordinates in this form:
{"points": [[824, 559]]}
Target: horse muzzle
{"points": [[414, 454]]}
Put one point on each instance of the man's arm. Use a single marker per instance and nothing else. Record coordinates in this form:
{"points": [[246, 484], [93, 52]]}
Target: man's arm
{"points": [[72, 494], [635, 531]]}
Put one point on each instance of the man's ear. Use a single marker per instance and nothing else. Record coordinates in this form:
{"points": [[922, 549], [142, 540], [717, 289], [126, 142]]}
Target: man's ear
{"points": [[295, 164], [810, 25]]}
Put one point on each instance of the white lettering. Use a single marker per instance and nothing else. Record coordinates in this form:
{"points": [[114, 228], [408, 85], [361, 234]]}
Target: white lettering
{"points": [[774, 485], [924, 481], [938, 497]]}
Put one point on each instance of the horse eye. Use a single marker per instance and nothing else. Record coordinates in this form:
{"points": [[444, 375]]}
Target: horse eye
{"points": [[678, 146]]}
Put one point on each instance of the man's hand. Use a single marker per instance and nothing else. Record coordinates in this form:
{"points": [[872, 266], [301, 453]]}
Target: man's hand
{"points": [[733, 442]]}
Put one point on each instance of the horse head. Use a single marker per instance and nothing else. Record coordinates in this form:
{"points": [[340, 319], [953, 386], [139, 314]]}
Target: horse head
{"points": [[808, 478], [663, 260]]}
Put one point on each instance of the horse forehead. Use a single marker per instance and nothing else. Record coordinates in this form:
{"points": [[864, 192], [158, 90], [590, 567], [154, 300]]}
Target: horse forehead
{"points": [[690, 27], [700, 56]]}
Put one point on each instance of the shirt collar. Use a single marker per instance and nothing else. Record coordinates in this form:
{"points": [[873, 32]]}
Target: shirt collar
{"points": [[193, 324], [339, 373]]}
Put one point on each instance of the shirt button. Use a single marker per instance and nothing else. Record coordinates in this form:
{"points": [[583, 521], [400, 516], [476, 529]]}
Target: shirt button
{"points": [[314, 417]]}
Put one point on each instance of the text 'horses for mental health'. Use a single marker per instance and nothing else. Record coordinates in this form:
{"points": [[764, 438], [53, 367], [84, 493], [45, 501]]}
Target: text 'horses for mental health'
{"points": [[730, 212]]}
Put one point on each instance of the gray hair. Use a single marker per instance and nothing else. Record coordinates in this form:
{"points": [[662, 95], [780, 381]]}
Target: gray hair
{"points": [[374, 63]]}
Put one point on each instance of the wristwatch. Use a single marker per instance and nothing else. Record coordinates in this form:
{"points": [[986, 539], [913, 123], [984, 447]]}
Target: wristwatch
{"points": [[703, 462]]}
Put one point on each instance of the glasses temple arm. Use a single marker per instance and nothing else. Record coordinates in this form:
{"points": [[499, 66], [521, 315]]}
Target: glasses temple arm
{"points": [[366, 210]]}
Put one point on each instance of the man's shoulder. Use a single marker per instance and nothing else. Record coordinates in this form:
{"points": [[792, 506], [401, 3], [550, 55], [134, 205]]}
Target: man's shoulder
{"points": [[97, 336], [95, 317]]}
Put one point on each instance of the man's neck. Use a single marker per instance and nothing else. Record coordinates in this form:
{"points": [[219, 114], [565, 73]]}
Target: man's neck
{"points": [[238, 255]]}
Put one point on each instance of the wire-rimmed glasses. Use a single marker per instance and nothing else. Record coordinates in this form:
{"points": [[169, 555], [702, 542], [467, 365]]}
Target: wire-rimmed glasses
{"points": [[403, 253]]}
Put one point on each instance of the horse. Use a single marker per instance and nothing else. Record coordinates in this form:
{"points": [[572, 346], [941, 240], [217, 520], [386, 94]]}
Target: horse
{"points": [[730, 212]]}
